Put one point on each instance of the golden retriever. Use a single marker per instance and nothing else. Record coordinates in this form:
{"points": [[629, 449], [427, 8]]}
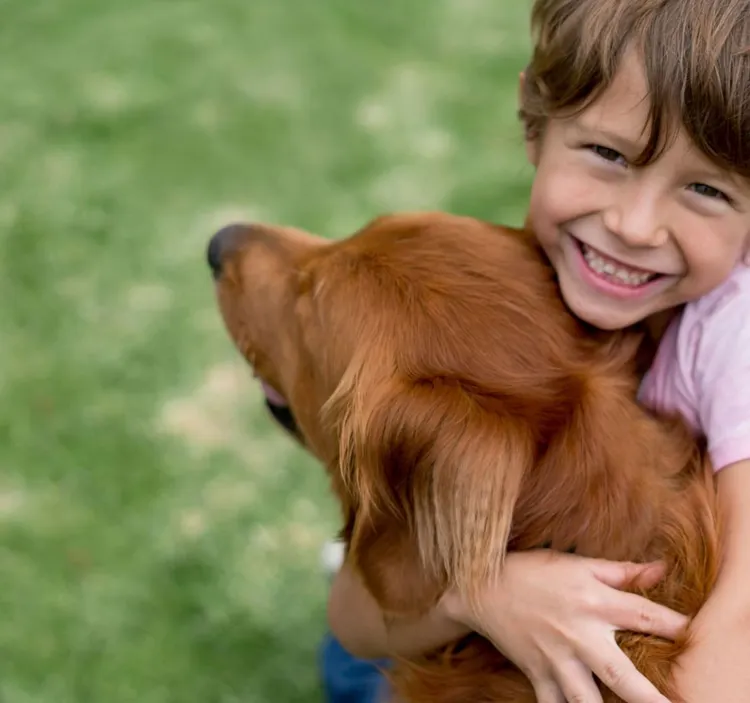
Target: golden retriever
{"points": [[462, 411]]}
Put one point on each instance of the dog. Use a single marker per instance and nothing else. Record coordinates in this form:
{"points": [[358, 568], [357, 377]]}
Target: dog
{"points": [[462, 412]]}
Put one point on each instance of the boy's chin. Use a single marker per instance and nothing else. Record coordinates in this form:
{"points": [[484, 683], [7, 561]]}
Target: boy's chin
{"points": [[603, 314]]}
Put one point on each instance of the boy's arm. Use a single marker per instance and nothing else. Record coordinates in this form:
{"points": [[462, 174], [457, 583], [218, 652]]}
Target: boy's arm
{"points": [[716, 667], [553, 614], [357, 622]]}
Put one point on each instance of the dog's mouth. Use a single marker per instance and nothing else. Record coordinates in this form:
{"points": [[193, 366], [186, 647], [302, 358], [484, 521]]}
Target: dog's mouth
{"points": [[273, 397], [279, 408]]}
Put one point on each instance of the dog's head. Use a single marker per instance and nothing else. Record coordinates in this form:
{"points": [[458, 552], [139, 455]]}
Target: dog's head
{"points": [[261, 292], [429, 362]]}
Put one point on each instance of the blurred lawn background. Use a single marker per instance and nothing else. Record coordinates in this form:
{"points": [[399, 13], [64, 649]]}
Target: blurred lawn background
{"points": [[159, 537]]}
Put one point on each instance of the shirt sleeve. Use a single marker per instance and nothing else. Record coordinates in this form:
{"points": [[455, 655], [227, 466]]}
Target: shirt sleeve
{"points": [[722, 381]]}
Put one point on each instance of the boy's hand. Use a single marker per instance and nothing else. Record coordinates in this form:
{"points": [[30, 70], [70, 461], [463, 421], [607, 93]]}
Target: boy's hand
{"points": [[555, 615]]}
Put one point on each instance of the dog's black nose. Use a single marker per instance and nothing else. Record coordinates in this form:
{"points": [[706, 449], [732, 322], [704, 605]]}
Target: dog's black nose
{"points": [[224, 240]]}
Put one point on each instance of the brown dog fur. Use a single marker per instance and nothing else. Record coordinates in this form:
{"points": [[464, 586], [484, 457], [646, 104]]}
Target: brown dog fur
{"points": [[463, 412]]}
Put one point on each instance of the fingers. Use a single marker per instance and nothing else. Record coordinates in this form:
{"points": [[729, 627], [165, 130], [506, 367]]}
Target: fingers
{"points": [[619, 674], [623, 574], [630, 611], [574, 682], [639, 614], [547, 691], [577, 683], [644, 575]]}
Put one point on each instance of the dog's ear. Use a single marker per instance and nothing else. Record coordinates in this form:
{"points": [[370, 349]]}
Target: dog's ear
{"points": [[433, 471]]}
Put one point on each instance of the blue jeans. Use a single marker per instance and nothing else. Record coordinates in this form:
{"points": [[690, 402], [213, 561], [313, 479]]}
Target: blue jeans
{"points": [[347, 679]]}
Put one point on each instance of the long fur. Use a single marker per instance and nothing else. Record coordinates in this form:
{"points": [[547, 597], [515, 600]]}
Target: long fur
{"points": [[462, 413]]}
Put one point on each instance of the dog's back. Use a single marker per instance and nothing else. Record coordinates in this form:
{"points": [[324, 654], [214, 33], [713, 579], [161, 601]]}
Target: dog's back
{"points": [[462, 412], [607, 479]]}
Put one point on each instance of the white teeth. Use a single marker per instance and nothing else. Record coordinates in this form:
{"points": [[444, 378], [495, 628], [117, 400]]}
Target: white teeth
{"points": [[621, 274]]}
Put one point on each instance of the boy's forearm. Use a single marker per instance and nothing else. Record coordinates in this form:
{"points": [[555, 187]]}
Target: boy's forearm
{"points": [[729, 603], [715, 668], [358, 623]]}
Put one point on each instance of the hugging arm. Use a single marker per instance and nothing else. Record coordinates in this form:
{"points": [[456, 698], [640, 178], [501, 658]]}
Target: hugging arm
{"points": [[715, 667], [552, 614], [358, 622]]}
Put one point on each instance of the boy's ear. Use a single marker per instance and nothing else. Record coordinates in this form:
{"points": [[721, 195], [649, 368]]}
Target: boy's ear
{"points": [[532, 150], [746, 255], [532, 143]]}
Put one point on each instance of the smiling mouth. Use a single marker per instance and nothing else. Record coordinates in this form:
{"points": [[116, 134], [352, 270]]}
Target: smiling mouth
{"points": [[614, 271]]}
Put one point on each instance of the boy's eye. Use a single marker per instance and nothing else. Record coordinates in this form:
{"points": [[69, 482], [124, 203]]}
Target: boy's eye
{"points": [[606, 153], [708, 191]]}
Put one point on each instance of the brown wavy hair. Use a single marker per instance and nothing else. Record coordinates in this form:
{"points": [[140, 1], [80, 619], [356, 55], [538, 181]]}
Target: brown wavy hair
{"points": [[696, 57]]}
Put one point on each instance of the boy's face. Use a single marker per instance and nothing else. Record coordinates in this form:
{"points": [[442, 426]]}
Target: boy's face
{"points": [[629, 241]]}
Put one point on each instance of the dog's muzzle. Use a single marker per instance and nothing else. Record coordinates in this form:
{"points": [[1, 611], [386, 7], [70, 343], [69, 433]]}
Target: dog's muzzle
{"points": [[285, 417], [281, 412]]}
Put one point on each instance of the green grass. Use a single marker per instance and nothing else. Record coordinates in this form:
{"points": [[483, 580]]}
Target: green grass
{"points": [[159, 537]]}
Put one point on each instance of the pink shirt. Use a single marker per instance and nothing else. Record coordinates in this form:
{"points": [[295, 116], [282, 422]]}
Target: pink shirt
{"points": [[702, 369]]}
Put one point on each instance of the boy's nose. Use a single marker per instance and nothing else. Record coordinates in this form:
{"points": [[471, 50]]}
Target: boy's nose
{"points": [[638, 227]]}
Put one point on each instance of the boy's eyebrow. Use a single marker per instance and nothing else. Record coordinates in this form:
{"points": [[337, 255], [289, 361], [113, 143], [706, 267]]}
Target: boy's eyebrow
{"points": [[622, 142]]}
